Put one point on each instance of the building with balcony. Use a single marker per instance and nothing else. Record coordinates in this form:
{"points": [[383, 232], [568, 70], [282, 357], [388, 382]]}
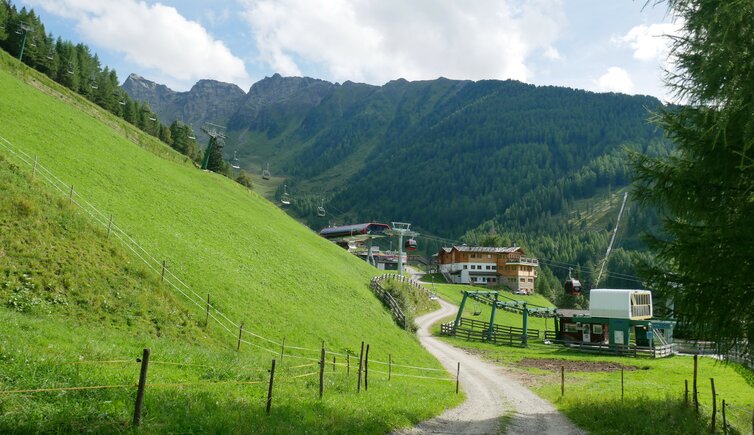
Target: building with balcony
{"points": [[489, 266]]}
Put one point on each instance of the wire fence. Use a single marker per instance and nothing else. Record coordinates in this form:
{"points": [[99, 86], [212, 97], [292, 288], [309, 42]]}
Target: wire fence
{"points": [[240, 332], [159, 267]]}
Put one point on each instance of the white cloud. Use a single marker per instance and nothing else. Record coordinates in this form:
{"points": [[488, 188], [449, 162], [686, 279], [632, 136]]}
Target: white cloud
{"points": [[551, 53], [370, 41], [152, 36], [615, 80], [650, 42]]}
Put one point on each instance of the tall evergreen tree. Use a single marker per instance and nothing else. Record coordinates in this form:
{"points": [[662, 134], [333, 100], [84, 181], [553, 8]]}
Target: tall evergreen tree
{"points": [[706, 189], [215, 162]]}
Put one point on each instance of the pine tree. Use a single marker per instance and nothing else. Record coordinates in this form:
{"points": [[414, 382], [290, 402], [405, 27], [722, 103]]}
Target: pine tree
{"points": [[706, 260]]}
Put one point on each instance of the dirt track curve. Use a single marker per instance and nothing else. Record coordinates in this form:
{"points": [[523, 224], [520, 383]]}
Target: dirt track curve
{"points": [[490, 394]]}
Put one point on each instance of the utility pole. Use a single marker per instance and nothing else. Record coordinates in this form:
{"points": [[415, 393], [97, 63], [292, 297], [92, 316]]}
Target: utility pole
{"points": [[401, 229]]}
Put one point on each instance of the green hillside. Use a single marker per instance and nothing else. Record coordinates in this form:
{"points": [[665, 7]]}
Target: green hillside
{"points": [[84, 296]]}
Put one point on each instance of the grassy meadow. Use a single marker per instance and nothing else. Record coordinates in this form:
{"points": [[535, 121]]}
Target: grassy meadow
{"points": [[70, 296]]}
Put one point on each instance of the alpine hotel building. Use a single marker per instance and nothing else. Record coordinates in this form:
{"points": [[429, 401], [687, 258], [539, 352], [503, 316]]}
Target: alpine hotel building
{"points": [[490, 266]]}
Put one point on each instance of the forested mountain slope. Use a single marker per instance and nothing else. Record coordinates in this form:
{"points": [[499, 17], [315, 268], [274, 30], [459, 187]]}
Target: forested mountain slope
{"points": [[486, 162], [444, 154]]}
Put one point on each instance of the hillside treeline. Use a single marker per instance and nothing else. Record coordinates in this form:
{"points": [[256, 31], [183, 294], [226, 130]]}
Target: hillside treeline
{"points": [[77, 68]]}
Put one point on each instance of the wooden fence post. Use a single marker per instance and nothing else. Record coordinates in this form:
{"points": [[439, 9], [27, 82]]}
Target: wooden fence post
{"points": [[110, 225], [269, 389], [695, 397], [348, 364], [361, 360], [714, 403], [621, 384], [70, 196], [34, 169], [322, 372], [206, 318], [240, 332], [142, 387], [562, 381], [725, 421], [366, 370], [389, 366], [458, 375], [163, 270], [282, 350]]}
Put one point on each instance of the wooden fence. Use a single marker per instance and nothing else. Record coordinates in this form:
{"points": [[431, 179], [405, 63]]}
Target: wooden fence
{"points": [[389, 300], [477, 330]]}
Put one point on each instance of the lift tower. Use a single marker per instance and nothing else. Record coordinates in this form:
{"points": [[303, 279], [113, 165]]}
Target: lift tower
{"points": [[401, 229], [216, 135]]}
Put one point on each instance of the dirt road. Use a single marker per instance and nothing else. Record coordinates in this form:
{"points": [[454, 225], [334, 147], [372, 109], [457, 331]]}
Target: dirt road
{"points": [[491, 394]]}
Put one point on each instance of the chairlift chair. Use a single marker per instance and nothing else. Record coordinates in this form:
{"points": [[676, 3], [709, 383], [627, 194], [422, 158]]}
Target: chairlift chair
{"points": [[321, 209], [285, 199], [234, 163], [266, 172], [477, 309]]}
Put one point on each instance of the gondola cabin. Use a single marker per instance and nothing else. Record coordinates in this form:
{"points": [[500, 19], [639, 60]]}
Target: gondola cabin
{"points": [[410, 245], [572, 286]]}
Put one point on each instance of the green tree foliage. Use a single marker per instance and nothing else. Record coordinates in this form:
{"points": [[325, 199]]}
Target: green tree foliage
{"points": [[73, 66], [215, 162], [705, 261], [244, 179], [78, 69]]}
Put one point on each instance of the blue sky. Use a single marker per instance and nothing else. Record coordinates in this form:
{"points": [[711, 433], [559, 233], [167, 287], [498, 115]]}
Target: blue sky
{"points": [[598, 45]]}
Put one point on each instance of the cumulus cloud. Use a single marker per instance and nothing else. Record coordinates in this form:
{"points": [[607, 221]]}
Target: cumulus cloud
{"points": [[370, 41], [615, 80], [650, 42], [152, 36]]}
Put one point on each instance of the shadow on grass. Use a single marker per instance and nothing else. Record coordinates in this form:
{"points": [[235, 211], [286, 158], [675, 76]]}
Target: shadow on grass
{"points": [[635, 416]]}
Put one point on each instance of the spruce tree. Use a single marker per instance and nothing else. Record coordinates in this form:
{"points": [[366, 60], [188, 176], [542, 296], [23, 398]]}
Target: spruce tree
{"points": [[705, 259]]}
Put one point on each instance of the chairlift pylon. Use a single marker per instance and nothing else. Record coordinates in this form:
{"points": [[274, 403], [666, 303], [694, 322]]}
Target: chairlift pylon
{"points": [[266, 172]]}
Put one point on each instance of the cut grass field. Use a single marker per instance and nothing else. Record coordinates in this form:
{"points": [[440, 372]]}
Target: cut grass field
{"points": [[69, 293], [653, 392]]}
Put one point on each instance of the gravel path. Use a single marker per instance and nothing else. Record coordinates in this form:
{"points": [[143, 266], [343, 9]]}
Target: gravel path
{"points": [[490, 394]]}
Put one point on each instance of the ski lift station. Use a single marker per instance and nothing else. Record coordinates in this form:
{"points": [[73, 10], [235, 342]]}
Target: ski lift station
{"points": [[618, 320]]}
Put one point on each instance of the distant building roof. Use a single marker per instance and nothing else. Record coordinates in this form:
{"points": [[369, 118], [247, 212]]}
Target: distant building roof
{"points": [[485, 249]]}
